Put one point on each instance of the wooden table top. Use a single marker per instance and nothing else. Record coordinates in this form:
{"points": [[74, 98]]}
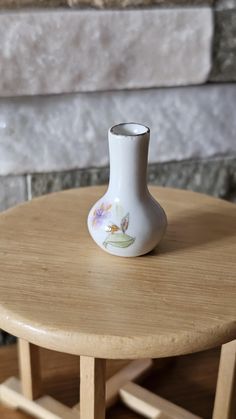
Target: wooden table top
{"points": [[59, 290]]}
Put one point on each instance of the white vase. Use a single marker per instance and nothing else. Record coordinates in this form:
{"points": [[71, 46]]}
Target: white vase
{"points": [[127, 221]]}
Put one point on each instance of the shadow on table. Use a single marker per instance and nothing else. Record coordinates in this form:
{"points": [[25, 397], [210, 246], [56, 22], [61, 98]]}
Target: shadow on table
{"points": [[192, 229]]}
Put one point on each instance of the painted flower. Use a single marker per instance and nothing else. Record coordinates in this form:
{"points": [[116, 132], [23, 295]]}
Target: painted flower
{"points": [[117, 236], [100, 214], [112, 228]]}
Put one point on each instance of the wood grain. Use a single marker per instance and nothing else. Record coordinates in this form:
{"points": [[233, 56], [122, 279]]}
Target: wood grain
{"points": [[135, 370], [92, 388], [188, 381], [75, 298], [29, 363], [225, 402], [150, 405], [43, 408]]}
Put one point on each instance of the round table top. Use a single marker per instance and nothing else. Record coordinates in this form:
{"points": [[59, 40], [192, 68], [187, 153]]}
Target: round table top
{"points": [[59, 290]]}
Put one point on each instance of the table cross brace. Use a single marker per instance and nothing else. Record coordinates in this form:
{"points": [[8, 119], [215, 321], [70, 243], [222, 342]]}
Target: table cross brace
{"points": [[96, 395]]}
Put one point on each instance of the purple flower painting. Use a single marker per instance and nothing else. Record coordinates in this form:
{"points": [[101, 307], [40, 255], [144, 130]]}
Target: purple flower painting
{"points": [[101, 214]]}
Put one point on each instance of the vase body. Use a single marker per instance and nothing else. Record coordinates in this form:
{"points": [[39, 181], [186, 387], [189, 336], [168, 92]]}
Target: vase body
{"points": [[127, 221]]}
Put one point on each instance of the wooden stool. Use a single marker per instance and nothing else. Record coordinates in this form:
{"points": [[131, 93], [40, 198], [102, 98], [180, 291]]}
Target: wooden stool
{"points": [[60, 291]]}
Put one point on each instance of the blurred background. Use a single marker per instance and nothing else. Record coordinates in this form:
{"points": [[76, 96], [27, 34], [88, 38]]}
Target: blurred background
{"points": [[70, 71]]}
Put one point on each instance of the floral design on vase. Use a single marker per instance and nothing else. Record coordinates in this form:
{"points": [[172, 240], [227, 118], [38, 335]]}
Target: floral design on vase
{"points": [[117, 236], [101, 214]]}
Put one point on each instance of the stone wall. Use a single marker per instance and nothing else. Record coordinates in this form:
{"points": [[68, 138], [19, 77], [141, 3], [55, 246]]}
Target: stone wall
{"points": [[67, 75], [9, 4]]}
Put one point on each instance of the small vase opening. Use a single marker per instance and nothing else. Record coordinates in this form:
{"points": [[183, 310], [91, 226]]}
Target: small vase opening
{"points": [[130, 129]]}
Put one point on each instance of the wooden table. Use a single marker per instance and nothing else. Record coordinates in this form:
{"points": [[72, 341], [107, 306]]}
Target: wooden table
{"points": [[58, 290]]}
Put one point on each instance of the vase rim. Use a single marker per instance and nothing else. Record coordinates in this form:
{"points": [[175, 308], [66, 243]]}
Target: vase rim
{"points": [[129, 129]]}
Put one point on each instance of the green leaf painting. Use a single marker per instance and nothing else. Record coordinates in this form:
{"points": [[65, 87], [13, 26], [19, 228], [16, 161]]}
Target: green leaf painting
{"points": [[118, 240]]}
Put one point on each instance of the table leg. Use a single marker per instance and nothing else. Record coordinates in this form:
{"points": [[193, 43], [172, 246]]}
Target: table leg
{"points": [[92, 388], [29, 364], [225, 400]]}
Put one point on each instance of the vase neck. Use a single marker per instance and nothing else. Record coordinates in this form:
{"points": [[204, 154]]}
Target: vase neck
{"points": [[128, 164]]}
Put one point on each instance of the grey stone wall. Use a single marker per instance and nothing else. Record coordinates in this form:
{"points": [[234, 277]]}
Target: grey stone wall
{"points": [[83, 50], [13, 190], [108, 67], [224, 49], [215, 177], [102, 4], [52, 133], [62, 51]]}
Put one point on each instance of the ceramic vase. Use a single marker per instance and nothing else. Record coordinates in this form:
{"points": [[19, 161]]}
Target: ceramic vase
{"points": [[127, 221]]}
